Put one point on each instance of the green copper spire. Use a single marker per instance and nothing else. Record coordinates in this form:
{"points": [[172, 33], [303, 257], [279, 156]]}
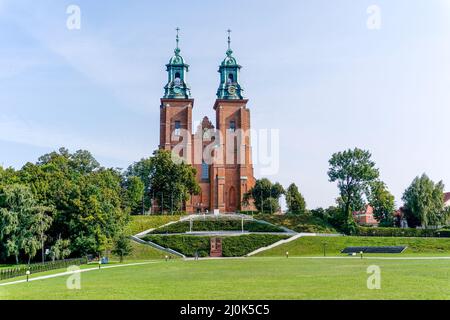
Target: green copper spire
{"points": [[177, 87], [229, 87]]}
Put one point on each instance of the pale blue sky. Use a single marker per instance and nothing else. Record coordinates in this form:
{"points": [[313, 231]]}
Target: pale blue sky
{"points": [[312, 69]]}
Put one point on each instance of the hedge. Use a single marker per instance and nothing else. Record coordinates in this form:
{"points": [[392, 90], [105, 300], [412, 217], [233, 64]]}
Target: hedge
{"points": [[218, 225], [402, 232], [236, 246], [298, 222]]}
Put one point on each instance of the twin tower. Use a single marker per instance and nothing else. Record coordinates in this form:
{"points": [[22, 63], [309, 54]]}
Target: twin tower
{"points": [[221, 154]]}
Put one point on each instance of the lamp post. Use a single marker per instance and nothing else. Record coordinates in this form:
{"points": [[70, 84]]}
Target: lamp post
{"points": [[28, 274], [287, 254], [99, 263], [361, 253]]}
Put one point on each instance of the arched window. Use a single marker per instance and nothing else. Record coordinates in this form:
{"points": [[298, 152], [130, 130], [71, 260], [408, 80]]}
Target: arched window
{"points": [[232, 126], [177, 80], [230, 78], [205, 171]]}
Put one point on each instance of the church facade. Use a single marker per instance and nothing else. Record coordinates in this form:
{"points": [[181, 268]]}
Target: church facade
{"points": [[220, 152]]}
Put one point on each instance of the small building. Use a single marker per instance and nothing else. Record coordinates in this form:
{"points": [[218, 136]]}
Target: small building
{"points": [[447, 199], [365, 217]]}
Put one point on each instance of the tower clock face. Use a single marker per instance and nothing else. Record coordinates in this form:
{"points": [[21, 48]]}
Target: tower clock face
{"points": [[232, 90], [177, 90]]}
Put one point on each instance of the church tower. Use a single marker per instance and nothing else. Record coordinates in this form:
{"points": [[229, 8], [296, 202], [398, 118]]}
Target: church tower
{"points": [[225, 177], [233, 175], [176, 105]]}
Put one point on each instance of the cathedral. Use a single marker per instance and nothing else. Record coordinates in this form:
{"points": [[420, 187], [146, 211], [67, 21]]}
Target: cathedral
{"points": [[221, 153]]}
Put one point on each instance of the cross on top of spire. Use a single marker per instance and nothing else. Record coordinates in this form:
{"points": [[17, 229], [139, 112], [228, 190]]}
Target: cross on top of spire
{"points": [[229, 51], [177, 50]]}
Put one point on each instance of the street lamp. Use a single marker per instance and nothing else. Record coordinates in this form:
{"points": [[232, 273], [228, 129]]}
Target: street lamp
{"points": [[28, 274]]}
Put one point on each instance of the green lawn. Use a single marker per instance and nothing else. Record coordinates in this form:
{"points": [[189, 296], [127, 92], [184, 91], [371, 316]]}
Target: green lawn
{"points": [[250, 278], [313, 246], [144, 252], [141, 223]]}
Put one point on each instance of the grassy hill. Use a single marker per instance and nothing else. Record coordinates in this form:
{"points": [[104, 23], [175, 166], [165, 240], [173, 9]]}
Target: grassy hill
{"points": [[141, 223], [313, 246], [218, 225], [298, 223], [144, 252]]}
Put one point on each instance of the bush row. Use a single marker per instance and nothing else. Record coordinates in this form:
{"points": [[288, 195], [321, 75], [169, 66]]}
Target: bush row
{"points": [[218, 225], [231, 246], [298, 223], [402, 232]]}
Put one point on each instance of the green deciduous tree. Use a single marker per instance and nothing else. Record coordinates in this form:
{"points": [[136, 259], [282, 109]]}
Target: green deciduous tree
{"points": [[142, 169], [424, 202], [23, 222], [122, 246], [265, 196], [60, 250], [133, 197], [295, 202], [171, 182], [88, 199], [382, 202], [354, 171]]}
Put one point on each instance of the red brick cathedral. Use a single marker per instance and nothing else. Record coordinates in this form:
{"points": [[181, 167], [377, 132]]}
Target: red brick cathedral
{"points": [[221, 153]]}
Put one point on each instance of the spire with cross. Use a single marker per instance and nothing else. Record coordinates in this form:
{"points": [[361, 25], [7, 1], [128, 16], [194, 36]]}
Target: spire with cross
{"points": [[177, 87], [177, 49], [229, 87], [229, 51]]}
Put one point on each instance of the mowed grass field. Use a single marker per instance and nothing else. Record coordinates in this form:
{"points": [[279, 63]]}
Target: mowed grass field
{"points": [[314, 246], [250, 278]]}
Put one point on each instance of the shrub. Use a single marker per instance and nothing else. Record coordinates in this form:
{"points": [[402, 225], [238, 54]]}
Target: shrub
{"points": [[401, 232], [218, 225], [242, 245], [231, 246], [299, 223]]}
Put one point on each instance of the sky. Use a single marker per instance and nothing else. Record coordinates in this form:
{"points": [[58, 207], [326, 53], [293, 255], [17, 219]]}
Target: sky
{"points": [[312, 69]]}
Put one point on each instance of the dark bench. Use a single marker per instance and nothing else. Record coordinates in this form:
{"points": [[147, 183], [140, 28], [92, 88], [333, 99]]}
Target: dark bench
{"points": [[389, 249]]}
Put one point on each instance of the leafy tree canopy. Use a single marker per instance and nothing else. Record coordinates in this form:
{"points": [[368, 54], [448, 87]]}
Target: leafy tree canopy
{"points": [[424, 202]]}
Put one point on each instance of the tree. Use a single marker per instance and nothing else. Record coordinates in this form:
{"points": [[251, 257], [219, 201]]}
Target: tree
{"points": [[60, 250], [424, 202], [265, 196], [142, 169], [383, 203], [171, 182], [133, 198], [295, 201], [22, 221], [88, 199], [43, 220], [122, 246], [354, 171]]}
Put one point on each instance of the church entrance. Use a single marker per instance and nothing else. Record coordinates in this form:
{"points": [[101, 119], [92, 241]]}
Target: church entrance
{"points": [[231, 203]]}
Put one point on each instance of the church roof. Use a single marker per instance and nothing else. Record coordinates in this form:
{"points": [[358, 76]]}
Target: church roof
{"points": [[177, 59], [446, 197]]}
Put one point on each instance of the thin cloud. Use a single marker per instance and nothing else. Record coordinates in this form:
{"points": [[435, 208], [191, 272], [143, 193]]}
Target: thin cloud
{"points": [[13, 129]]}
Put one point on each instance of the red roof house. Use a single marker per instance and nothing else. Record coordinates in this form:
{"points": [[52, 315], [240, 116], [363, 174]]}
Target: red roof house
{"points": [[365, 217]]}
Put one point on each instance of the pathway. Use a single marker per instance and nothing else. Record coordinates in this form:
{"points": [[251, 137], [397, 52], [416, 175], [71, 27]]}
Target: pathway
{"points": [[67, 273]]}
